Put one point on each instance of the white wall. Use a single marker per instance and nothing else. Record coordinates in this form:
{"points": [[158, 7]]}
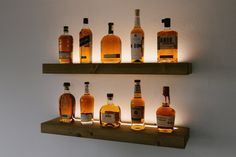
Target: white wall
{"points": [[205, 100]]}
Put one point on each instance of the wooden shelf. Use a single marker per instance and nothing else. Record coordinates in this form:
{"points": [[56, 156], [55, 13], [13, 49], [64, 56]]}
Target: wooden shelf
{"points": [[121, 68], [149, 136]]}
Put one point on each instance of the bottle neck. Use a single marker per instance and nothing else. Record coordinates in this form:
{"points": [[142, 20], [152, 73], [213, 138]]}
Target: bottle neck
{"points": [[137, 91], [66, 90], [85, 25], [167, 28], [137, 21], [86, 91], [110, 29], [66, 32], [167, 100], [109, 100]]}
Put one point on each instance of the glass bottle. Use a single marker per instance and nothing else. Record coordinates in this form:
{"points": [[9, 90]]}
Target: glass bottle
{"points": [[167, 43], [137, 108], [65, 44], [86, 106], [137, 40], [85, 42], [110, 113], [165, 114], [110, 47], [66, 105]]}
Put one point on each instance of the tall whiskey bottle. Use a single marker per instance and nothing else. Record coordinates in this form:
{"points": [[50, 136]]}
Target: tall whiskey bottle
{"points": [[65, 44], [86, 106], [110, 113], [165, 114], [137, 40], [85, 42], [110, 47], [167, 44], [66, 105], [137, 108]]}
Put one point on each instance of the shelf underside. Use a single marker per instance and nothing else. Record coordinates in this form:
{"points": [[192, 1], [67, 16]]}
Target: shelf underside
{"points": [[148, 136], [121, 68]]}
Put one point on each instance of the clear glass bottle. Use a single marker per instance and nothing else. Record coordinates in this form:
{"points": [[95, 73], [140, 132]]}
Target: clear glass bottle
{"points": [[110, 113], [137, 108], [65, 45], [86, 106], [66, 105], [85, 41], [167, 43], [165, 114], [137, 40], [110, 47]]}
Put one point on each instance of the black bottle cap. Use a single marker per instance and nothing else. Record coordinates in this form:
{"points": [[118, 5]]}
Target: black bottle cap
{"points": [[66, 28], [85, 21], [110, 28], [86, 82], [66, 84], [166, 91], [109, 94], [137, 81], [166, 22]]}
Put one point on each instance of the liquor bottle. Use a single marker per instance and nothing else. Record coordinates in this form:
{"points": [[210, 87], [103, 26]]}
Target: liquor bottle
{"points": [[65, 47], [137, 40], [137, 108], [110, 47], [165, 114], [110, 113], [86, 106], [85, 42], [167, 44], [66, 105]]}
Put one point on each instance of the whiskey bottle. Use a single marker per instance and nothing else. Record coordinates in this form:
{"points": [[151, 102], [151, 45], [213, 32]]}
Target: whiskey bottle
{"points": [[85, 42], [66, 105], [65, 47], [165, 114], [167, 43], [137, 108], [110, 47], [86, 106], [110, 113], [137, 40]]}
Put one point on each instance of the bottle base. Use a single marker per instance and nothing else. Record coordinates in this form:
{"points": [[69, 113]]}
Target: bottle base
{"points": [[137, 127], [66, 120], [87, 123], [164, 130]]}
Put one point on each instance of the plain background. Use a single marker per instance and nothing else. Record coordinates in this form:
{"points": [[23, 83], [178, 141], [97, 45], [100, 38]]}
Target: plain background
{"points": [[204, 101]]}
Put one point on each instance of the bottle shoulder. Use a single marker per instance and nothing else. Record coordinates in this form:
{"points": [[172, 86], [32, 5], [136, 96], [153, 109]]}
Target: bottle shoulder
{"points": [[137, 30], [165, 111], [111, 37], [87, 96], [167, 32], [85, 31], [110, 107], [137, 101], [65, 37]]}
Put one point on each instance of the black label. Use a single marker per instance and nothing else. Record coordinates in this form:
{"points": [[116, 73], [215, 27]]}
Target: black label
{"points": [[166, 56], [111, 55], [84, 41]]}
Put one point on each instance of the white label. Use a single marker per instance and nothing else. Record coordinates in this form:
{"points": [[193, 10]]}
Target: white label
{"points": [[86, 117], [165, 121], [108, 117], [136, 46]]}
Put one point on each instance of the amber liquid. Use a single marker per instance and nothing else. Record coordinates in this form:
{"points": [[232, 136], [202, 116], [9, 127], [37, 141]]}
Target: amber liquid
{"points": [[85, 45], [138, 30], [165, 110], [111, 49], [167, 55], [110, 109], [67, 107], [65, 49], [87, 108]]}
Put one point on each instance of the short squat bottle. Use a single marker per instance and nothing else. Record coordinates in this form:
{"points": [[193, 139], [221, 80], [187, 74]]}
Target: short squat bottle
{"points": [[167, 40], [86, 106], [65, 44], [110, 113], [85, 43], [137, 108], [110, 47], [165, 114], [66, 105]]}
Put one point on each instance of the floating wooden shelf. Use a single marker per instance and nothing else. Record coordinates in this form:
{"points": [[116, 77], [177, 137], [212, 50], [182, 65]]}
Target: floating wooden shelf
{"points": [[149, 135], [121, 68]]}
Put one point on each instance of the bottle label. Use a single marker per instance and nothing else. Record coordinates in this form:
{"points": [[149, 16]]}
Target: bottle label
{"points": [[65, 116], [137, 114], [109, 117], [111, 55], [85, 41], [86, 117], [167, 42], [136, 46], [65, 55], [83, 57], [166, 56], [165, 121]]}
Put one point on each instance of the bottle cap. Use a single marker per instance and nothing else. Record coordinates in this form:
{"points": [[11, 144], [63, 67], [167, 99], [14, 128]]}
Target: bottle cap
{"points": [[137, 81], [86, 82], [166, 22], [66, 84], [85, 21], [66, 28], [166, 91], [110, 30], [109, 94], [137, 11]]}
